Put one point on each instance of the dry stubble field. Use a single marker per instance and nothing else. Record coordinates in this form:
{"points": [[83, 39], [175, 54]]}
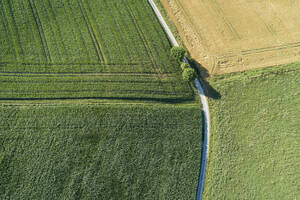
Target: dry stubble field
{"points": [[228, 36]]}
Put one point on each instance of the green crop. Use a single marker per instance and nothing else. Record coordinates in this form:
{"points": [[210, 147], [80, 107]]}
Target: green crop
{"points": [[63, 37], [99, 152], [255, 131]]}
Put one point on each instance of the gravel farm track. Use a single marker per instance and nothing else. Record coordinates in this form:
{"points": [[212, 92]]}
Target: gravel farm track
{"points": [[204, 102]]}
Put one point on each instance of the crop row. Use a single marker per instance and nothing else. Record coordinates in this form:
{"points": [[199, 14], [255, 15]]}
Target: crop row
{"points": [[84, 146], [64, 38], [64, 30], [76, 68], [88, 86]]}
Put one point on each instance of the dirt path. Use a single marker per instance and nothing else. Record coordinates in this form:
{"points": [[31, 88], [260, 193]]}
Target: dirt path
{"points": [[204, 103]]}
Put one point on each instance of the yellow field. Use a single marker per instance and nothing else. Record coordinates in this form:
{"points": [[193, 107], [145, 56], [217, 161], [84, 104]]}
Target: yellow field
{"points": [[236, 35]]}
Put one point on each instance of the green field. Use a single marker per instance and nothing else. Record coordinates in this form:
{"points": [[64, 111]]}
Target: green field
{"points": [[99, 151], [254, 150], [92, 106], [63, 49]]}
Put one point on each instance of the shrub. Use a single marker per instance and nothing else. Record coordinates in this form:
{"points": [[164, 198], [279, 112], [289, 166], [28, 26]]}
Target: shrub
{"points": [[184, 66], [188, 74], [178, 53]]}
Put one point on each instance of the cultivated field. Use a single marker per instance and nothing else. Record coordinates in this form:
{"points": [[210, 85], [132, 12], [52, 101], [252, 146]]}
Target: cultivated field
{"points": [[255, 136], [112, 143], [65, 49], [99, 151], [229, 36]]}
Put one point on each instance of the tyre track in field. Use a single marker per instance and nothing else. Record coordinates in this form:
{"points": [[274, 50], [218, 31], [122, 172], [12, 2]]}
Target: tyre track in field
{"points": [[166, 48], [91, 31], [14, 26], [29, 24], [40, 49], [142, 37], [58, 29], [205, 148], [40, 30], [12, 29], [132, 37], [219, 11], [43, 8], [117, 29], [74, 26], [192, 25], [155, 52], [8, 31]]}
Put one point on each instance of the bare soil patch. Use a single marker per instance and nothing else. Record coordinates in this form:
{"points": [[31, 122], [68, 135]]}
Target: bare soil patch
{"points": [[229, 36]]}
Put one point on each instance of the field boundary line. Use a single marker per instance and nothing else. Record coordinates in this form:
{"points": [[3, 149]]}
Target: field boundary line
{"points": [[205, 147]]}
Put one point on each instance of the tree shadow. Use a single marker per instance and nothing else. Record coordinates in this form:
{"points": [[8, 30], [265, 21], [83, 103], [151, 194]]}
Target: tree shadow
{"points": [[174, 100], [210, 92], [200, 185]]}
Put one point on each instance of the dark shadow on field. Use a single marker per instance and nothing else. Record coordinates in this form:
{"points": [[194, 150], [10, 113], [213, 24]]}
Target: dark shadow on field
{"points": [[201, 179], [90, 137], [161, 100], [210, 92]]}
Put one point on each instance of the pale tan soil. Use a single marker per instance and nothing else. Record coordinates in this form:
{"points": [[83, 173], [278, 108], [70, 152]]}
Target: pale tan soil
{"points": [[234, 35]]}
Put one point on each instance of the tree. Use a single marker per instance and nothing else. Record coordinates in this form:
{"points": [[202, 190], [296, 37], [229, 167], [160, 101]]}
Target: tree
{"points": [[184, 66], [188, 74], [178, 53]]}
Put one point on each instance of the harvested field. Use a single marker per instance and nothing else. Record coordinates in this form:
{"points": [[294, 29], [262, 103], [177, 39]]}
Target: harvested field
{"points": [[85, 49], [228, 36]]}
